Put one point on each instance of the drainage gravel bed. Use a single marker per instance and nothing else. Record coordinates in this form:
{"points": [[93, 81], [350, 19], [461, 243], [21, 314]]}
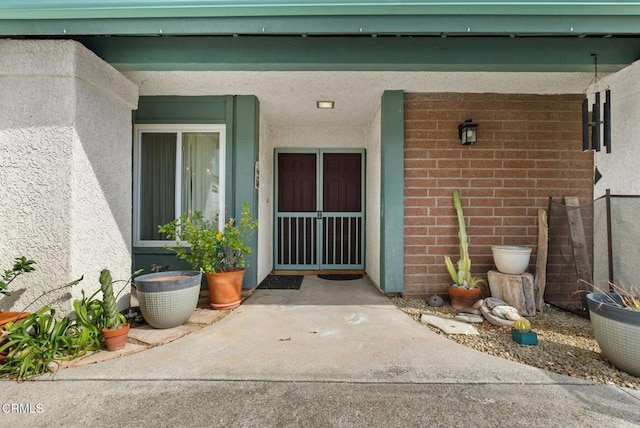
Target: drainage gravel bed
{"points": [[565, 343]]}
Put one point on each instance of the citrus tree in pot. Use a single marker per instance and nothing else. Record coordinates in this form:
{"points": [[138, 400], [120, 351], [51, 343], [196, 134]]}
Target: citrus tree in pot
{"points": [[615, 319], [465, 290], [220, 254]]}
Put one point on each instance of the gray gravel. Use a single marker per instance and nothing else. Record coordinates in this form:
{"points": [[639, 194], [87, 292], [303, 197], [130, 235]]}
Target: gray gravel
{"points": [[565, 343]]}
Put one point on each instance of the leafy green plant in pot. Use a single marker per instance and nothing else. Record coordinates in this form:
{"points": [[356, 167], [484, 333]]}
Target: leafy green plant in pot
{"points": [[220, 254], [35, 344], [465, 289], [615, 319]]}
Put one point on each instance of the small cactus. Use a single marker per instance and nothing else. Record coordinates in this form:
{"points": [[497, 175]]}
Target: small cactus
{"points": [[522, 325], [109, 301]]}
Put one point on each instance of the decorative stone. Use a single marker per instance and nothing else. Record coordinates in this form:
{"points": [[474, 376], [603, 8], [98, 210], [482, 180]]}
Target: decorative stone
{"points": [[478, 304], [469, 311], [448, 325], [435, 301], [506, 312], [493, 302], [493, 319], [470, 318]]}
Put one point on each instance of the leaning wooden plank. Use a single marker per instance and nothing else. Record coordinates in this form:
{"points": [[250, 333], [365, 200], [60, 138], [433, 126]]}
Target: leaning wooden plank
{"points": [[540, 281]]}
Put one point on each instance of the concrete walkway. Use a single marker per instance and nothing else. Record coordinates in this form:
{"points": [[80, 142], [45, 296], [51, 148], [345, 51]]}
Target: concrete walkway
{"points": [[330, 354]]}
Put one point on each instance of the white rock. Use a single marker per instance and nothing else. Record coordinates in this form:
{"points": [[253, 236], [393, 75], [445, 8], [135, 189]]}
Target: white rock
{"points": [[469, 318], [448, 325]]}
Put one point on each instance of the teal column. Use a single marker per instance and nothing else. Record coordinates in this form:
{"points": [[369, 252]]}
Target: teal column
{"points": [[392, 192], [245, 155]]}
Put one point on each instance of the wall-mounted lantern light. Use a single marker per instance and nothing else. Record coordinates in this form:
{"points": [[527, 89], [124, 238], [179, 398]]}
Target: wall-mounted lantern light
{"points": [[468, 132]]}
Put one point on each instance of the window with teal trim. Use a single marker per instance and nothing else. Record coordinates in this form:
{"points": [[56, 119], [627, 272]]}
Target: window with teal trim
{"points": [[177, 169]]}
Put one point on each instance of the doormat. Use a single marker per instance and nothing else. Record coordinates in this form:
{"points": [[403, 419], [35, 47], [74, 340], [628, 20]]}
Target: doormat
{"points": [[281, 282], [339, 277]]}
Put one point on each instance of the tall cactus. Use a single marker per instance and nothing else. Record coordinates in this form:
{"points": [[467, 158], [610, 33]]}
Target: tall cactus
{"points": [[462, 275], [108, 300]]}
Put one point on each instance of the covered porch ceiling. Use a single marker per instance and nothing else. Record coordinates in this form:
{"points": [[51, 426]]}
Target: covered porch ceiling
{"points": [[288, 98], [292, 53], [289, 74]]}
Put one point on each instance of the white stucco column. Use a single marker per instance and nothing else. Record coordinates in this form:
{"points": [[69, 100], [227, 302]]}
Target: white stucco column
{"points": [[621, 175], [65, 168]]}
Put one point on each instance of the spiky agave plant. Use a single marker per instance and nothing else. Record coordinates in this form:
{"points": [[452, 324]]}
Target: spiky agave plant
{"points": [[461, 274], [624, 297]]}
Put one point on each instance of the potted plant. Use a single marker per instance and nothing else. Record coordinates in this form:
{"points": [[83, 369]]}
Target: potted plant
{"points": [[465, 290], [615, 319], [220, 254], [21, 265], [116, 329]]}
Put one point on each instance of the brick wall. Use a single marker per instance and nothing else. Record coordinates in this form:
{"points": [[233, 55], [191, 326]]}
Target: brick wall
{"points": [[529, 149]]}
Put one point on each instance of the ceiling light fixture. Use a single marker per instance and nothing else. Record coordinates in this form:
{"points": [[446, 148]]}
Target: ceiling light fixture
{"points": [[325, 104]]}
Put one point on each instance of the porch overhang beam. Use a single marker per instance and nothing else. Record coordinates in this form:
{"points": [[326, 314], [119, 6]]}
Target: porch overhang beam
{"points": [[364, 53]]}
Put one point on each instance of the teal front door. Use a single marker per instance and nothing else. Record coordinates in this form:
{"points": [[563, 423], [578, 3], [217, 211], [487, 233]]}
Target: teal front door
{"points": [[319, 212]]}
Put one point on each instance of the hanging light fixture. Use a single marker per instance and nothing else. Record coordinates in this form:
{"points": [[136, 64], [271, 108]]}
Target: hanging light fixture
{"points": [[600, 125], [468, 132]]}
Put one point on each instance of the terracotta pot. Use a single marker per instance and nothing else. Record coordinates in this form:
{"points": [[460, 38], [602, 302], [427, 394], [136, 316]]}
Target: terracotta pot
{"points": [[463, 297], [7, 317], [225, 289], [116, 339]]}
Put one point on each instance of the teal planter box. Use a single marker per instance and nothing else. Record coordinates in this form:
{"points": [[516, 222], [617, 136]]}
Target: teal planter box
{"points": [[528, 338]]}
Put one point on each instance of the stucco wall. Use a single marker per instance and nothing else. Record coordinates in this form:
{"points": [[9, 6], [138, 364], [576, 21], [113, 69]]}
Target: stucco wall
{"points": [[318, 137], [620, 174], [373, 200], [65, 165], [265, 202]]}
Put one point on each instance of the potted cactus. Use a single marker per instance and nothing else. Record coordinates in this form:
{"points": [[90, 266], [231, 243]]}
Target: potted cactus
{"points": [[521, 332], [116, 330], [464, 291]]}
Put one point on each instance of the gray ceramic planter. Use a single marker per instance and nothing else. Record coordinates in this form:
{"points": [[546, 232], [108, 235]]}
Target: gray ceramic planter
{"points": [[617, 331], [168, 299]]}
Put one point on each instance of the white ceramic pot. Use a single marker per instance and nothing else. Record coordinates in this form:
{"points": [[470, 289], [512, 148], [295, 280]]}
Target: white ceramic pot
{"points": [[511, 259], [617, 331], [168, 299]]}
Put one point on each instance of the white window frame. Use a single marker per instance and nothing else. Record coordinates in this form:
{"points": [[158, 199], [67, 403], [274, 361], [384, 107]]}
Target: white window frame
{"points": [[179, 129]]}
